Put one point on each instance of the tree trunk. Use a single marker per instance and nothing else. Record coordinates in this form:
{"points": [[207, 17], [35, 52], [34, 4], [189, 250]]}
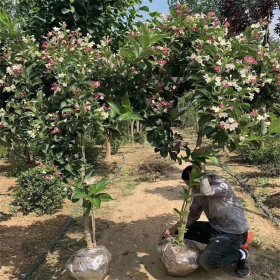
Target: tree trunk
{"points": [[132, 132], [199, 137], [27, 154], [108, 148], [93, 228], [87, 234], [184, 216], [137, 126]]}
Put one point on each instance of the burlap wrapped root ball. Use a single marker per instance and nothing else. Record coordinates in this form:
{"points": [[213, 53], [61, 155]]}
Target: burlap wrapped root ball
{"points": [[89, 264], [179, 260]]}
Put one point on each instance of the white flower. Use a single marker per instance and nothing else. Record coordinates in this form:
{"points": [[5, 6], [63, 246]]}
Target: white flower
{"points": [[223, 115], [61, 59], [9, 89], [267, 123], [256, 25], [230, 66], [2, 112], [218, 81], [231, 120], [61, 75], [215, 109], [268, 81], [251, 96], [197, 58], [219, 62], [260, 117], [207, 78], [56, 29], [9, 70]]}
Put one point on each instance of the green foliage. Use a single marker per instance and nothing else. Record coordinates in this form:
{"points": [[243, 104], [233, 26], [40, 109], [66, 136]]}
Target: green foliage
{"points": [[40, 191], [269, 154], [271, 169], [92, 196], [4, 153], [98, 17], [139, 137]]}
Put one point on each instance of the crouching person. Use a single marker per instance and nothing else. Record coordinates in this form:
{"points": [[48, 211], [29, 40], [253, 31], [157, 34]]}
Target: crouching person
{"points": [[226, 231]]}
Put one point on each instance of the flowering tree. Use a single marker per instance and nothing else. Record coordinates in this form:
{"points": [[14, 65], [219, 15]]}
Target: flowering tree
{"points": [[232, 82], [58, 94]]}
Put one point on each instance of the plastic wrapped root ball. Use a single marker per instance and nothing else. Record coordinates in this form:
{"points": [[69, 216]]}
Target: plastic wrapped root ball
{"points": [[179, 260], [89, 264]]}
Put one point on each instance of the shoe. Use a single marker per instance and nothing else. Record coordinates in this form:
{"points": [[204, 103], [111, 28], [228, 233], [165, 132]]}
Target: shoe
{"points": [[242, 268]]}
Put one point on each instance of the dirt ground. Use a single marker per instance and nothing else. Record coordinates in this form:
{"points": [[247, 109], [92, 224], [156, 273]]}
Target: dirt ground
{"points": [[129, 226]]}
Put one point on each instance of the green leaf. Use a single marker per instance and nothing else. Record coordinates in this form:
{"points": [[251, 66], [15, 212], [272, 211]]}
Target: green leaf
{"points": [[78, 195], [214, 160], [145, 9], [65, 11], [274, 126], [114, 109], [104, 197], [96, 202], [99, 187]]}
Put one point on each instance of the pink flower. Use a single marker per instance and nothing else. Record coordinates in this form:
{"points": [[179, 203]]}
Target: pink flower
{"points": [[99, 97], [96, 84], [106, 107], [169, 17], [162, 63], [224, 125], [231, 108], [179, 7], [181, 32], [166, 104], [233, 126], [222, 106], [49, 178], [260, 55], [253, 113], [211, 14], [249, 59], [218, 69], [55, 131], [166, 51], [217, 23], [2, 125], [227, 24], [76, 107], [253, 80], [87, 108], [226, 84], [56, 87]]}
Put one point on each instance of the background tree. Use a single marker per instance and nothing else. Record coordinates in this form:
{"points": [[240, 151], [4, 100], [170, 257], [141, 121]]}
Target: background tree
{"points": [[98, 17]]}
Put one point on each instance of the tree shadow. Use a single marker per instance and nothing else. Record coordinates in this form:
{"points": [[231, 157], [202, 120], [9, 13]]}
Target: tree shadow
{"points": [[21, 245], [135, 256], [168, 192]]}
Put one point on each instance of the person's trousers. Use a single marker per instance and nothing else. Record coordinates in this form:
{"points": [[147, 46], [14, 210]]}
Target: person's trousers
{"points": [[222, 248]]}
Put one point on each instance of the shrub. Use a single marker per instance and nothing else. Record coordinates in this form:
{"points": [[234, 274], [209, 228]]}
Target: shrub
{"points": [[154, 168], [269, 154], [40, 191], [139, 137], [271, 169]]}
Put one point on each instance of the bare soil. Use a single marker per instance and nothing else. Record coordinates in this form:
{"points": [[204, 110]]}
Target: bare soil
{"points": [[130, 226]]}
